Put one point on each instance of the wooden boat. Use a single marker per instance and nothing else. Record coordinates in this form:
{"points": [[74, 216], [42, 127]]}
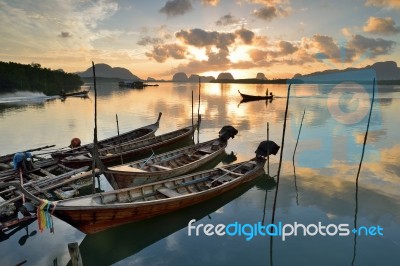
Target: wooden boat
{"points": [[130, 149], [120, 238], [166, 165], [98, 212], [44, 181], [247, 97], [133, 135]]}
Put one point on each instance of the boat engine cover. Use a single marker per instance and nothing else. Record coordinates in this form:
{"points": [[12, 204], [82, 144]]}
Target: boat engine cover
{"points": [[227, 132]]}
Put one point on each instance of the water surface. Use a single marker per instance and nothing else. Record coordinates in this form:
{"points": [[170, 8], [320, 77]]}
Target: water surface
{"points": [[320, 186]]}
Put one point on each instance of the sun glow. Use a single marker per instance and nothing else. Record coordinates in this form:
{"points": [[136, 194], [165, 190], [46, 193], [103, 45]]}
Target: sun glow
{"points": [[240, 54], [198, 54]]}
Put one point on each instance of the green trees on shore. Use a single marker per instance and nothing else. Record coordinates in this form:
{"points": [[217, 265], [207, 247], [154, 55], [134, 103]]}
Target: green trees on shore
{"points": [[20, 77]]}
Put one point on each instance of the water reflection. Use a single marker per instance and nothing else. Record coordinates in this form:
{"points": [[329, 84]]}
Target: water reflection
{"points": [[325, 179]]}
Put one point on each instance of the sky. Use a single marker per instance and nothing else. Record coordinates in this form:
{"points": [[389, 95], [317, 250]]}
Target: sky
{"points": [[158, 38]]}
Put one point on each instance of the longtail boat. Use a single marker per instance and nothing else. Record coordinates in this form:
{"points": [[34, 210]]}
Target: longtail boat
{"points": [[169, 164], [83, 93], [100, 211], [133, 135], [130, 149], [120, 238], [43, 182], [247, 97]]}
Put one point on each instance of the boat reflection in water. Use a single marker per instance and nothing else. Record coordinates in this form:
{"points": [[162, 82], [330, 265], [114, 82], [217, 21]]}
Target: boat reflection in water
{"points": [[116, 244]]}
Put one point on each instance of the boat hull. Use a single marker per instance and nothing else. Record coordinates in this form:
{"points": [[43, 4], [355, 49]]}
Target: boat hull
{"points": [[133, 135], [92, 219], [129, 150], [124, 179]]}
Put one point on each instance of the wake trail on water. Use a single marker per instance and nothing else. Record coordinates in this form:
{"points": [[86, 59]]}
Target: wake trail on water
{"points": [[25, 96]]}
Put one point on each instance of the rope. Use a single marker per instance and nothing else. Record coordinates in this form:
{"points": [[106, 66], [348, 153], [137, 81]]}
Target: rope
{"points": [[45, 220]]}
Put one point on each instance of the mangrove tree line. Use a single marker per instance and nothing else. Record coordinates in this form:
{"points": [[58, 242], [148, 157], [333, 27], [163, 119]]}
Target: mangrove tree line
{"points": [[20, 77]]}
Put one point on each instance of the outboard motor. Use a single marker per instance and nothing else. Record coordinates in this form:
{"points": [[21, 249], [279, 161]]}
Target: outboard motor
{"points": [[267, 148], [227, 132]]}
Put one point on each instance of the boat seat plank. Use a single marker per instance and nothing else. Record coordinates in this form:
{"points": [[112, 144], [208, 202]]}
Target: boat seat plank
{"points": [[230, 172], [161, 167], [168, 192], [126, 168], [206, 150]]}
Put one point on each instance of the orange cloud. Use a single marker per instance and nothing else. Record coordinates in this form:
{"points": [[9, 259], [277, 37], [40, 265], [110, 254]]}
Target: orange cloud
{"points": [[384, 26]]}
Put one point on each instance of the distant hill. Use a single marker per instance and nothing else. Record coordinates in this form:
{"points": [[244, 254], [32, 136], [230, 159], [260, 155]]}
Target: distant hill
{"points": [[106, 71], [225, 76], [182, 77], [384, 71]]}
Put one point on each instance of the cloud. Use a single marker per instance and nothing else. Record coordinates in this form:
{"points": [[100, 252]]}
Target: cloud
{"points": [[385, 26], [65, 34], [201, 38], [210, 2], [271, 9], [266, 13], [383, 3], [227, 20], [175, 8], [245, 35], [150, 40], [161, 53], [372, 47], [258, 55], [32, 30], [327, 48]]}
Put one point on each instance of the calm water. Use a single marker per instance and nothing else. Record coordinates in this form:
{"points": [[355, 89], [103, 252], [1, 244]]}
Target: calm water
{"points": [[320, 188]]}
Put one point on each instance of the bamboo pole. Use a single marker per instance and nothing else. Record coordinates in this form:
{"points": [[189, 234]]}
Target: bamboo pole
{"points": [[198, 109], [281, 154], [120, 149], [192, 109], [268, 153], [94, 132], [294, 153], [358, 173]]}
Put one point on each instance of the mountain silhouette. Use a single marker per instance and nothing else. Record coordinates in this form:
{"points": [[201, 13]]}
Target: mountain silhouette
{"points": [[106, 71], [384, 71]]}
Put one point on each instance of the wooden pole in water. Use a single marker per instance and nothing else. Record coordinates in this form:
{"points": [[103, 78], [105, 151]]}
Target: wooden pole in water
{"points": [[192, 109], [359, 170], [198, 109], [94, 132], [268, 153], [281, 154], [120, 149], [76, 258]]}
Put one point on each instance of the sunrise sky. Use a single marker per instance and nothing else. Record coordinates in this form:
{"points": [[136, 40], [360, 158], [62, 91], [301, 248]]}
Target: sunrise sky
{"points": [[158, 38]]}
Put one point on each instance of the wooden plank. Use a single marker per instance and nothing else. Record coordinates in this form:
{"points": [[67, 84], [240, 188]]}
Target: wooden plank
{"points": [[169, 192], [230, 172], [205, 150], [126, 168]]}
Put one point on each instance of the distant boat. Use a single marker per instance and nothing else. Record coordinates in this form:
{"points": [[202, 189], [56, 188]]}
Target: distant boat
{"points": [[247, 97], [76, 94], [135, 84]]}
